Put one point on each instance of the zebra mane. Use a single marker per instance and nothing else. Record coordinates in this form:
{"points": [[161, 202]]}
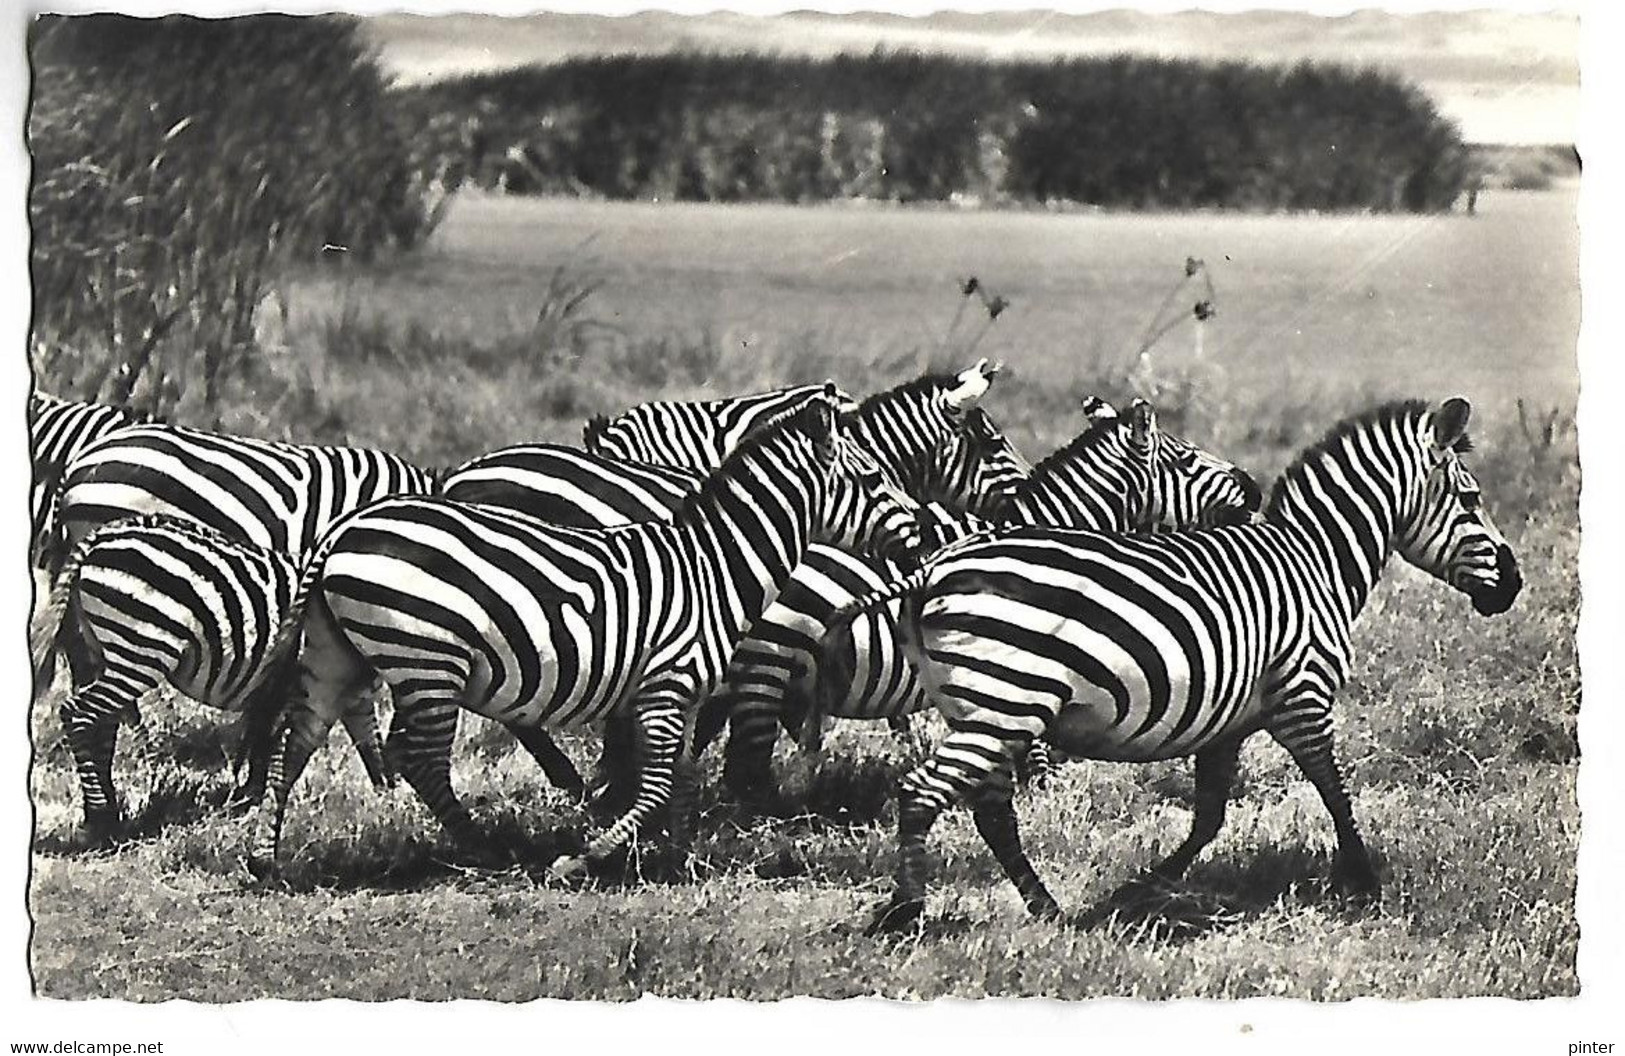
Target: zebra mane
{"points": [[798, 419], [1098, 431], [593, 430], [47, 400], [1377, 417], [180, 526]]}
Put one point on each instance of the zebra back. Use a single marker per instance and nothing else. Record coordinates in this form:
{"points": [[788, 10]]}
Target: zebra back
{"points": [[1104, 480], [570, 487], [58, 430], [693, 435], [280, 496]]}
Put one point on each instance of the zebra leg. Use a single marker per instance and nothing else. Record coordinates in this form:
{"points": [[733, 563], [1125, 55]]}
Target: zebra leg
{"points": [[1036, 768], [747, 769], [560, 771], [328, 677], [660, 723], [616, 770], [420, 742], [1215, 773], [360, 721], [1305, 730], [960, 768], [758, 695], [304, 729], [258, 722], [90, 720], [682, 812], [996, 821]]}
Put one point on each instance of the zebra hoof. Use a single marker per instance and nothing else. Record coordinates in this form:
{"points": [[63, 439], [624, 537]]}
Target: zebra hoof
{"points": [[103, 829], [899, 914], [1046, 911], [1356, 881], [263, 869], [570, 870]]}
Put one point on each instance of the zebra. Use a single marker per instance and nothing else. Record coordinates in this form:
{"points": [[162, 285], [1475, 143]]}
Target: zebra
{"points": [[1138, 649], [541, 626], [58, 430], [273, 495], [161, 599], [1100, 481], [929, 433], [695, 435]]}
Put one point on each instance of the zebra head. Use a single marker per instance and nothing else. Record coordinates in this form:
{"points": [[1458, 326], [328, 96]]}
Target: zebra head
{"points": [[932, 438], [1174, 484], [1444, 530], [864, 509], [977, 469]]}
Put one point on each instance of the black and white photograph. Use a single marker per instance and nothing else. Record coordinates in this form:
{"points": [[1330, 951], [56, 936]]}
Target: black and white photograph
{"points": [[1075, 503]]}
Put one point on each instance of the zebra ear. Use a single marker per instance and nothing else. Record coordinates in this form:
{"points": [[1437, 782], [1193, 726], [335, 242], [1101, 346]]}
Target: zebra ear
{"points": [[1449, 425], [822, 426], [972, 384], [1142, 422], [1097, 409]]}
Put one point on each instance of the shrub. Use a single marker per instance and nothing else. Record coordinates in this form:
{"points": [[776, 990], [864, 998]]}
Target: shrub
{"points": [[179, 162]]}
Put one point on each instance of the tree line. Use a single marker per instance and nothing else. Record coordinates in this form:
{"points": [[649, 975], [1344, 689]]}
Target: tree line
{"points": [[1121, 131]]}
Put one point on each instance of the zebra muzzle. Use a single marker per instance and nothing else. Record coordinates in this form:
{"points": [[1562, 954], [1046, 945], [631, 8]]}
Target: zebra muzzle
{"points": [[1496, 598]]}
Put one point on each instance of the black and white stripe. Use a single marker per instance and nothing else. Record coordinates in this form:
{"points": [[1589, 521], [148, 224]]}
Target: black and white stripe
{"points": [[275, 495], [928, 432], [155, 599], [1143, 648], [697, 435], [1102, 481], [539, 626], [58, 430]]}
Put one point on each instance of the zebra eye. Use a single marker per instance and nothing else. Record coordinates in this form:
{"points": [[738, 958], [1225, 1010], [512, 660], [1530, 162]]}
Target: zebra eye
{"points": [[1470, 499]]}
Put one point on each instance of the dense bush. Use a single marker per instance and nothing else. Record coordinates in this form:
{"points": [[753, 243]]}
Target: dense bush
{"points": [[178, 163], [1121, 131]]}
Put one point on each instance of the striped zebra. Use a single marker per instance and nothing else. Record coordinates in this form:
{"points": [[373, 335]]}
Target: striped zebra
{"points": [[1101, 481], [58, 430], [1138, 649], [928, 433], [536, 625], [696, 435], [162, 599]]}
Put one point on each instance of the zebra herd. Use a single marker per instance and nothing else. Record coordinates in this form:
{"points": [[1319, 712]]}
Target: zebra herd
{"points": [[763, 562]]}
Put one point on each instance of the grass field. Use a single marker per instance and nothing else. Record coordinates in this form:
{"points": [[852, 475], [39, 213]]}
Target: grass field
{"points": [[1459, 731]]}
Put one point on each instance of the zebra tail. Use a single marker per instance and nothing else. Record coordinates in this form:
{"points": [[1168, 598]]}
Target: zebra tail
{"points": [[51, 621], [266, 699], [835, 646]]}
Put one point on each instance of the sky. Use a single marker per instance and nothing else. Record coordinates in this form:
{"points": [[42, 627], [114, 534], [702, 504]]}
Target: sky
{"points": [[1503, 76]]}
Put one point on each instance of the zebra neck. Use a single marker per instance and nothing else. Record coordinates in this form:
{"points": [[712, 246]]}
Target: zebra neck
{"points": [[1345, 516], [743, 538], [901, 442], [1086, 497]]}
